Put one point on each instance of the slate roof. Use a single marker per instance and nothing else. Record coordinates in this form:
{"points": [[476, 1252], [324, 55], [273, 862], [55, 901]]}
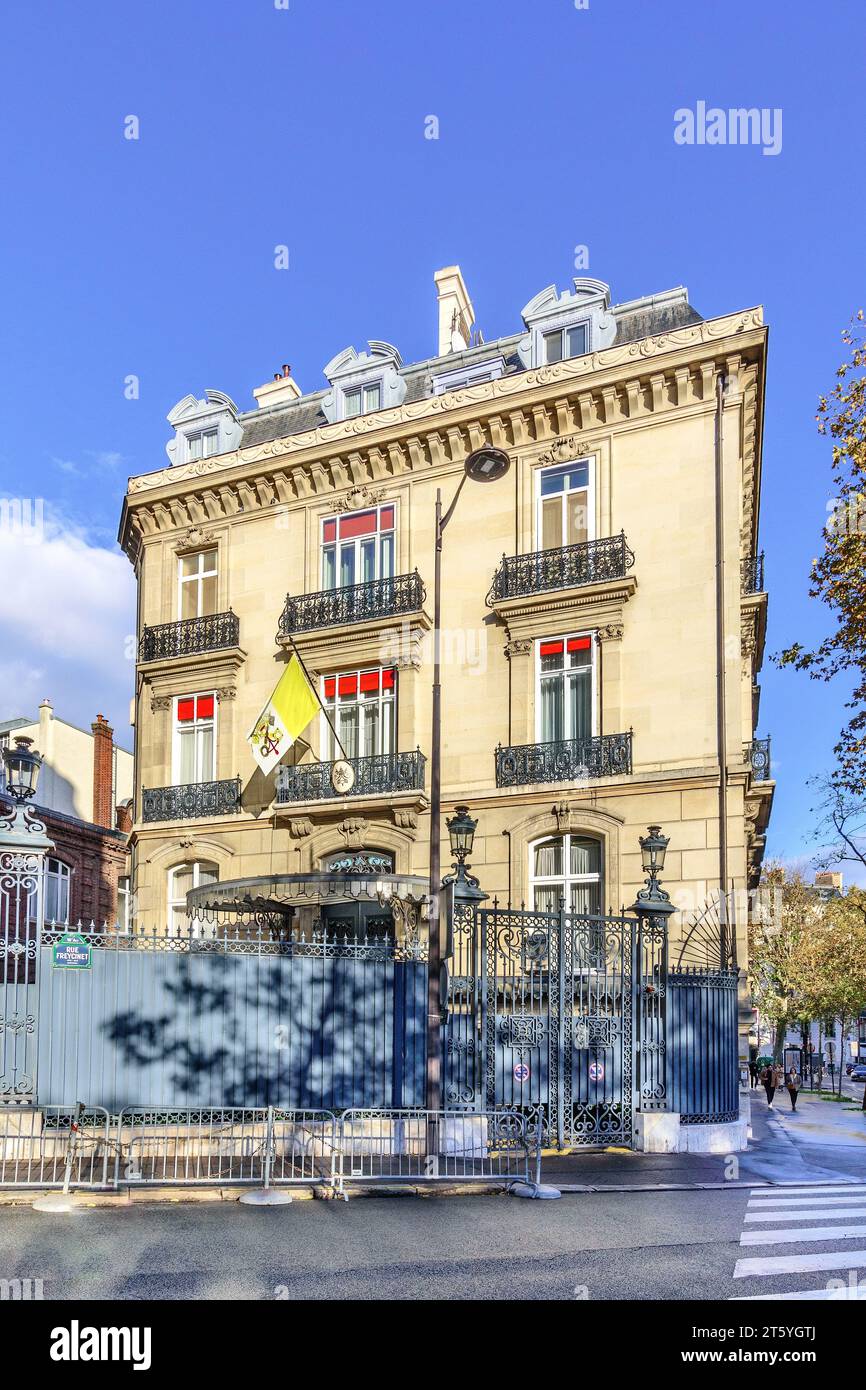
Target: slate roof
{"points": [[639, 319]]}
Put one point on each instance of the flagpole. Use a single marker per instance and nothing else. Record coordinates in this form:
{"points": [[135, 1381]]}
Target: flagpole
{"points": [[315, 690]]}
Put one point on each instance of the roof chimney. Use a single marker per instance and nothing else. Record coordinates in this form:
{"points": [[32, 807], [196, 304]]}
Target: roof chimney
{"points": [[281, 391], [456, 315], [103, 772]]}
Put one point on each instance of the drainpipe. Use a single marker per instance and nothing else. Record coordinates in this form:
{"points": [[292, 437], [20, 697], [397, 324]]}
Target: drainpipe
{"points": [[721, 705]]}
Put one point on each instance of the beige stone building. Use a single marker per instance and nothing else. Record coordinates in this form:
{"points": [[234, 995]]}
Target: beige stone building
{"points": [[603, 608]]}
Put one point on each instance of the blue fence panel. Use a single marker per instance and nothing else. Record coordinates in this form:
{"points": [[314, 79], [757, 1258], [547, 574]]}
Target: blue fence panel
{"points": [[702, 1045], [213, 1028]]}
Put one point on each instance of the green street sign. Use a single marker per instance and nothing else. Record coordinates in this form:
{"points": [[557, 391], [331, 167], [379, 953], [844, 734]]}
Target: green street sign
{"points": [[71, 952]]}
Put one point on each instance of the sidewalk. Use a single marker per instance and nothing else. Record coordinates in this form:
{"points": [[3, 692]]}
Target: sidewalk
{"points": [[823, 1142]]}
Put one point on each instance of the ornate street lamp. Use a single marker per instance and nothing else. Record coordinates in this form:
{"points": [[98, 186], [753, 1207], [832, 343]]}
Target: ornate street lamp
{"points": [[653, 848], [22, 769], [461, 832], [20, 828], [484, 465]]}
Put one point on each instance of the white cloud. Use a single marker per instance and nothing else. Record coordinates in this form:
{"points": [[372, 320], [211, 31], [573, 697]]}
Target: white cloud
{"points": [[67, 609]]}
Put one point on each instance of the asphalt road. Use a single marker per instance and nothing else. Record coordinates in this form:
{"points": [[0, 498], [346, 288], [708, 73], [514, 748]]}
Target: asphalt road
{"points": [[621, 1246]]}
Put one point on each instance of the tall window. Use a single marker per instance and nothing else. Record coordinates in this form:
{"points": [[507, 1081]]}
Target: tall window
{"points": [[202, 444], [57, 881], [194, 739], [566, 342], [567, 867], [360, 400], [361, 705], [197, 584], [564, 505], [565, 694], [358, 547], [180, 881], [124, 904]]}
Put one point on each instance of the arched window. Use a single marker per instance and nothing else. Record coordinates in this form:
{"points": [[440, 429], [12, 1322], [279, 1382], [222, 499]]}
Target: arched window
{"points": [[57, 879], [180, 880], [568, 867]]}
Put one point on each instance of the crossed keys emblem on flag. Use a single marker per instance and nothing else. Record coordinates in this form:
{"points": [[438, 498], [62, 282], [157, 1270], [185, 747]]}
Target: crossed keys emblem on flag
{"points": [[268, 734]]}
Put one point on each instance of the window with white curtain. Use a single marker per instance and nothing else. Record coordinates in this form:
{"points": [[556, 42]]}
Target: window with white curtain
{"points": [[360, 400], [565, 688], [180, 880], [124, 904], [57, 881], [566, 867], [564, 505], [197, 584]]}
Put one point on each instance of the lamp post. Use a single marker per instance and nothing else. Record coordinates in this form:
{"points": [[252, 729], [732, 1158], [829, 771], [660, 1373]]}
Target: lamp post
{"points": [[653, 907], [23, 846], [484, 465]]}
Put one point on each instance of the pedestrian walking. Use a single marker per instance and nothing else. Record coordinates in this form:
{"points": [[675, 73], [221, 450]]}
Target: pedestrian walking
{"points": [[768, 1082], [793, 1082], [753, 1073]]}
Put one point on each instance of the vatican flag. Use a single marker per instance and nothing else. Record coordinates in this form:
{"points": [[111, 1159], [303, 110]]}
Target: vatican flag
{"points": [[284, 717]]}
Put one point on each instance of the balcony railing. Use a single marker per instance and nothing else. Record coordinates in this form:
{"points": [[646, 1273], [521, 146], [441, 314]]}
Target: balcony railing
{"points": [[752, 574], [197, 800], [758, 758], [189, 637], [590, 562], [389, 772], [571, 760], [354, 603]]}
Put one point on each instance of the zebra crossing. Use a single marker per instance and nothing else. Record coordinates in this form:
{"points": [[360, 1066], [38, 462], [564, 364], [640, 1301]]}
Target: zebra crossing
{"points": [[818, 1216]]}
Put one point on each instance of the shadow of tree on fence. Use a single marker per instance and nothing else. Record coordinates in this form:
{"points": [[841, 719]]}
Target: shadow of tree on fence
{"points": [[226, 1029]]}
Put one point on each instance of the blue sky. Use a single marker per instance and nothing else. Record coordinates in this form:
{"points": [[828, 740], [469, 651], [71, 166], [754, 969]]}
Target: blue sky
{"points": [[305, 126]]}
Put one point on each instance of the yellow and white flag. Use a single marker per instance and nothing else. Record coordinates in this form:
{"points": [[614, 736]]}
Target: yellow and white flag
{"points": [[284, 717]]}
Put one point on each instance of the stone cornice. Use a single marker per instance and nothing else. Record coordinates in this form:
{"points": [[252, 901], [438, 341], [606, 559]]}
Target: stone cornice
{"points": [[602, 389]]}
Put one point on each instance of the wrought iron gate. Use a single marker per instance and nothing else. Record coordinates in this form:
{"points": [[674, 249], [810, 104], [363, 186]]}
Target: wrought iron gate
{"points": [[550, 1013], [20, 911]]}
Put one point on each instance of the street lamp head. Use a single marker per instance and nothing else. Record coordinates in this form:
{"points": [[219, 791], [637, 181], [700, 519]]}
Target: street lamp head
{"points": [[653, 848], [486, 464], [461, 831], [22, 768]]}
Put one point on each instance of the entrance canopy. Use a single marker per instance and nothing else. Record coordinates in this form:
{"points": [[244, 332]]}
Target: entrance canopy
{"points": [[242, 898]]}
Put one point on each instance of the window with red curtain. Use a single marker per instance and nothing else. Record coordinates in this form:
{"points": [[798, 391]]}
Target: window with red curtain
{"points": [[565, 688], [362, 708], [194, 752], [358, 547]]}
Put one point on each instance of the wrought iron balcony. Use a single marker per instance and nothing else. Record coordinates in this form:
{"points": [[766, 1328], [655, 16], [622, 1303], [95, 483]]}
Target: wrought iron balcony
{"points": [[197, 800], [354, 603], [752, 574], [590, 562], [390, 772], [189, 637], [758, 757], [570, 760]]}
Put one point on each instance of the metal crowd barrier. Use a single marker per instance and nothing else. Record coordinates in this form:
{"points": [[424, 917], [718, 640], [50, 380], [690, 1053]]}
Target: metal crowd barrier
{"points": [[55, 1146], [420, 1146], [84, 1147], [229, 1145]]}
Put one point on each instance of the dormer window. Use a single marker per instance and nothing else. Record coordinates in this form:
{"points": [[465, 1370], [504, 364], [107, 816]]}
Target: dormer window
{"points": [[567, 325], [202, 444], [363, 382], [203, 428], [566, 342], [360, 400]]}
